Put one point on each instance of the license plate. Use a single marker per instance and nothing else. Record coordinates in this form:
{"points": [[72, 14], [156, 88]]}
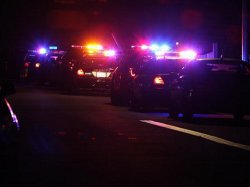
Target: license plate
{"points": [[101, 74]]}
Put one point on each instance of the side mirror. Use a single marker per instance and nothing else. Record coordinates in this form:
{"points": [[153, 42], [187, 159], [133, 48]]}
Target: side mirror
{"points": [[7, 88]]}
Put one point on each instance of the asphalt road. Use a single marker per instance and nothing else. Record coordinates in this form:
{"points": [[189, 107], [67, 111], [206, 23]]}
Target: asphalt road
{"points": [[82, 140]]}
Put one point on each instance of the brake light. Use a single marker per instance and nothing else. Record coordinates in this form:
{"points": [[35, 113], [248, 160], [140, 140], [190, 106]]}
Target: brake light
{"points": [[158, 80], [37, 65], [80, 72]]}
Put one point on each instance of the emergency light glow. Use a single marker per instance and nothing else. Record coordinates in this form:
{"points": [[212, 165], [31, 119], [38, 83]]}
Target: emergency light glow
{"points": [[144, 47], [188, 54], [159, 53], [94, 47], [53, 47], [154, 47], [165, 48], [109, 53], [42, 51]]}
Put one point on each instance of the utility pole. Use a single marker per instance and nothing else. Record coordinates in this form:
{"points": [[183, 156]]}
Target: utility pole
{"points": [[245, 55]]}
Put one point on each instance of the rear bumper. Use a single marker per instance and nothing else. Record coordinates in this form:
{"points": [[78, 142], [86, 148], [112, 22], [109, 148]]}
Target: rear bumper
{"points": [[154, 97], [92, 82], [221, 103]]}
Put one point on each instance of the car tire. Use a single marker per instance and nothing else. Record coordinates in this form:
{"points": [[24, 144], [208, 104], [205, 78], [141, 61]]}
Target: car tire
{"points": [[174, 104], [187, 109], [138, 102], [67, 88], [134, 104]]}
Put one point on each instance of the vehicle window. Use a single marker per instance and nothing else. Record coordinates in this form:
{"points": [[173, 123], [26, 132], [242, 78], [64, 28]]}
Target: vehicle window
{"points": [[161, 66]]}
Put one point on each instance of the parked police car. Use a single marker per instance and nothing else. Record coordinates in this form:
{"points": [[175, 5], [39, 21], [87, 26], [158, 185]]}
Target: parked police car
{"points": [[151, 84], [210, 86], [31, 68], [39, 65], [86, 69], [142, 79]]}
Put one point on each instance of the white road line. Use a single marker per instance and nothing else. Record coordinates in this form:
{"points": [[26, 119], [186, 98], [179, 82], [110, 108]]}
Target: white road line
{"points": [[199, 134]]}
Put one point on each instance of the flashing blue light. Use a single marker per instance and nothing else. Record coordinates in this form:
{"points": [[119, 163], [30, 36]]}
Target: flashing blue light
{"points": [[53, 47], [42, 51], [165, 47], [154, 47]]}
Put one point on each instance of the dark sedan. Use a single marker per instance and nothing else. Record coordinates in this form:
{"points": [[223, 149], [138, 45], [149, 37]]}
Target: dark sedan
{"points": [[211, 86], [150, 86], [80, 70], [142, 80]]}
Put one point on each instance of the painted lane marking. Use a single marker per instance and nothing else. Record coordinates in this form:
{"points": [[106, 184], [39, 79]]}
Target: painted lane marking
{"points": [[199, 134]]}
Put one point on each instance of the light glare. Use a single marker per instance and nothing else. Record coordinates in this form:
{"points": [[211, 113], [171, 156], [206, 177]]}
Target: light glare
{"points": [[109, 53], [42, 51], [190, 54]]}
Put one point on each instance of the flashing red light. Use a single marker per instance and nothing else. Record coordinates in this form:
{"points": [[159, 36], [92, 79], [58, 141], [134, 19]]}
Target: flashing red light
{"points": [[80, 72], [158, 80]]}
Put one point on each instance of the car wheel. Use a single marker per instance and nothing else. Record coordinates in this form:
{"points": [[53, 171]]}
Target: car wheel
{"points": [[138, 102], [174, 104], [187, 109], [67, 87], [134, 103]]}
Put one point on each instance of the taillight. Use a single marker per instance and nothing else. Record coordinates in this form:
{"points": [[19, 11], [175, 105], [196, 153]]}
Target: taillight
{"points": [[37, 65], [80, 72], [158, 80]]}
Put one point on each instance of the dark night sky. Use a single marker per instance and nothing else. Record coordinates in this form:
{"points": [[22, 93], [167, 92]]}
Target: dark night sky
{"points": [[26, 23]]}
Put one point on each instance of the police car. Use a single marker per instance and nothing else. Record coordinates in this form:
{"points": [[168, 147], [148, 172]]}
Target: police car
{"points": [[87, 67], [32, 65], [39, 64], [211, 86], [143, 78]]}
